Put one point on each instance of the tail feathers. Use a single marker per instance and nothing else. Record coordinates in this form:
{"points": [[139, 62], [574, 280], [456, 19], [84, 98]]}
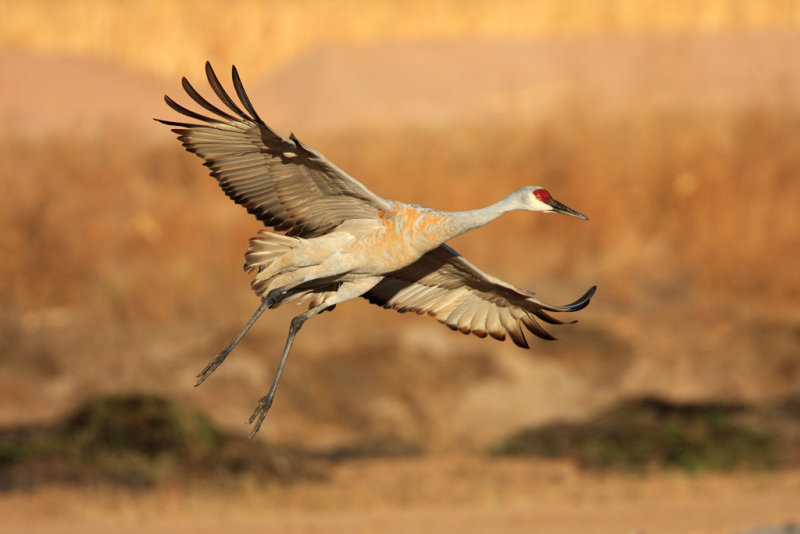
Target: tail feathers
{"points": [[265, 248]]}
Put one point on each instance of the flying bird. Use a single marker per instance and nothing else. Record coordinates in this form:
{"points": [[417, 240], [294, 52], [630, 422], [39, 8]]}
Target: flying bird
{"points": [[341, 241]]}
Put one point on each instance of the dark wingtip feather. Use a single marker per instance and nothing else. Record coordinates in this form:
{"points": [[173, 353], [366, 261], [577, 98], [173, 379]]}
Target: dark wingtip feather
{"points": [[197, 97], [189, 113], [213, 81], [176, 123], [535, 328], [520, 341], [546, 317], [579, 304], [239, 87], [583, 301]]}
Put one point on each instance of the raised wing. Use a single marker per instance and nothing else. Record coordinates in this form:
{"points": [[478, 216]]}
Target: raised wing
{"points": [[284, 183], [446, 286]]}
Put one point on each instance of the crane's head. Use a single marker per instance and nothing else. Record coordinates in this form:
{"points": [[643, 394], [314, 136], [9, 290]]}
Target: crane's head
{"points": [[538, 198]]}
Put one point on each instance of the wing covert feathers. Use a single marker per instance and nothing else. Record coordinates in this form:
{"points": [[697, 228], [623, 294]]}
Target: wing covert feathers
{"points": [[446, 286], [281, 181]]}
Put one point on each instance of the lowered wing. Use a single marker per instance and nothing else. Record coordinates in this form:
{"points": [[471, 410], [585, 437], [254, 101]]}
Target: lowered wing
{"points": [[446, 286]]}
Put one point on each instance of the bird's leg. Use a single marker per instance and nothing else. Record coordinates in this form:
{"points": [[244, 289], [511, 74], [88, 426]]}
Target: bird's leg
{"points": [[213, 364], [346, 291], [265, 402]]}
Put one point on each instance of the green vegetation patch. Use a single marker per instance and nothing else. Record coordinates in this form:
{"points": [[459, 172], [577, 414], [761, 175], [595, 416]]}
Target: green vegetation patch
{"points": [[138, 441], [646, 433]]}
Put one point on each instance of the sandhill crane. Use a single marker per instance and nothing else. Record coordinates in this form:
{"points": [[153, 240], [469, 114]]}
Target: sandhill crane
{"points": [[342, 241]]}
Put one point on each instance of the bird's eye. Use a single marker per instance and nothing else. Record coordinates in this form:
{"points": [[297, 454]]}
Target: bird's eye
{"points": [[542, 195]]}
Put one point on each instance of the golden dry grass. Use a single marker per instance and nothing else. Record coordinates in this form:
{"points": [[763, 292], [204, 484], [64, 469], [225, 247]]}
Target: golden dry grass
{"points": [[167, 37], [685, 204]]}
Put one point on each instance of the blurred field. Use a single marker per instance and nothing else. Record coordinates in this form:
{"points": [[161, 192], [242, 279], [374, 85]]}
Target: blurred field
{"points": [[257, 35], [688, 212], [675, 126], [695, 241], [442, 494]]}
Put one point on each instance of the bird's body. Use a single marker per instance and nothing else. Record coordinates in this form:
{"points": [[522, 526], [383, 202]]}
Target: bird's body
{"points": [[363, 247], [342, 241], [372, 246]]}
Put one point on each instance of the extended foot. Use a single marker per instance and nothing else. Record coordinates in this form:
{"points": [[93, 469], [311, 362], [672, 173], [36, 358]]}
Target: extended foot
{"points": [[260, 412], [213, 364], [211, 367]]}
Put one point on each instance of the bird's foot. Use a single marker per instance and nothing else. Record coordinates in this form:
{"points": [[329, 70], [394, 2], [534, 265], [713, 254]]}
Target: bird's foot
{"points": [[260, 412], [211, 367]]}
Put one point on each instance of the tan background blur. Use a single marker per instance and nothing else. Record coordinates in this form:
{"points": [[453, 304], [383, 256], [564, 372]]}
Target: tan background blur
{"points": [[673, 125]]}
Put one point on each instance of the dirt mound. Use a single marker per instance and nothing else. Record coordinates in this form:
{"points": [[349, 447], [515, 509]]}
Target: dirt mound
{"points": [[644, 433], [137, 441]]}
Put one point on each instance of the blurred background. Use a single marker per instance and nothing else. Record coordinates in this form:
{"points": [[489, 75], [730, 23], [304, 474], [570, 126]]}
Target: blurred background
{"points": [[674, 125]]}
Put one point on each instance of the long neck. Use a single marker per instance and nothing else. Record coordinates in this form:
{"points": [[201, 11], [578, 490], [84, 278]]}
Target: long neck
{"points": [[464, 221]]}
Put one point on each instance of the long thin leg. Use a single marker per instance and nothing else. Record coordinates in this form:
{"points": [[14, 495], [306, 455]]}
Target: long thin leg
{"points": [[265, 402], [347, 291], [213, 364]]}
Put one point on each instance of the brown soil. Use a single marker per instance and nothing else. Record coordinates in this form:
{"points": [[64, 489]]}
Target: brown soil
{"points": [[437, 494]]}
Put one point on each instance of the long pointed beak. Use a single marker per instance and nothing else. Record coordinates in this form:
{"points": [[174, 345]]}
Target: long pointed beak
{"points": [[558, 207]]}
